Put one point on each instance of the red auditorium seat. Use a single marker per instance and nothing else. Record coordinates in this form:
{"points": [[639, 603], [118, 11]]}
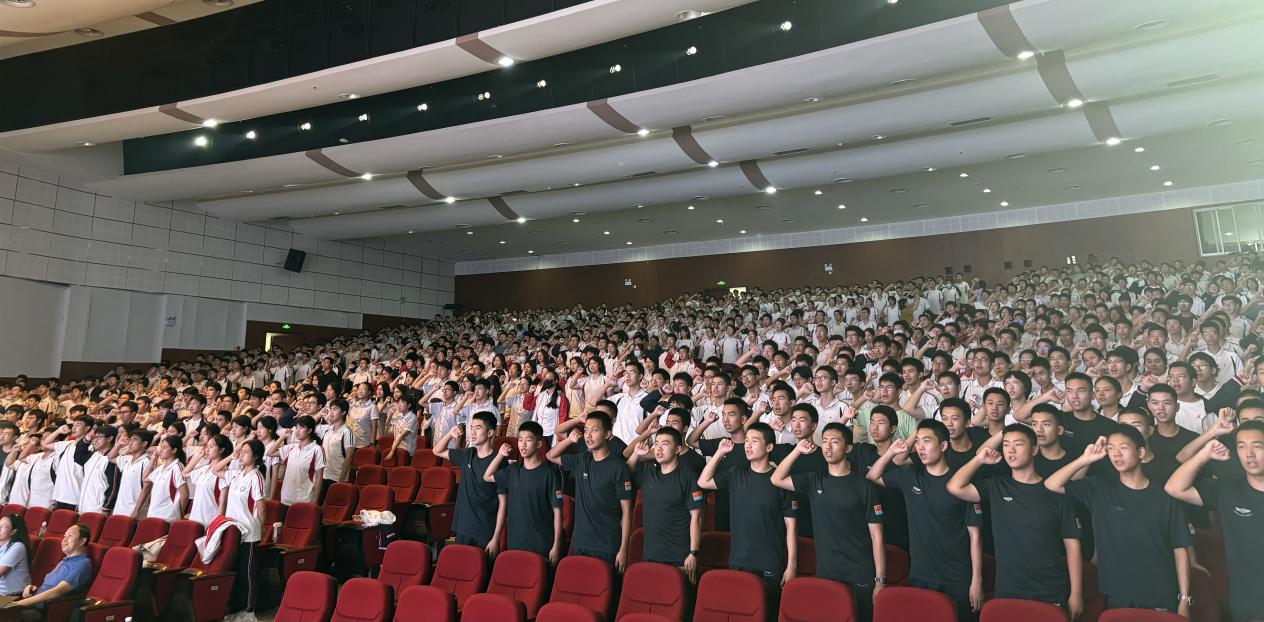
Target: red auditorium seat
{"points": [[14, 508], [201, 592], [272, 513], [636, 545], [406, 563], [148, 530], [1139, 615], [403, 480], [398, 458], [422, 603], [117, 530], [897, 565], [340, 502], [363, 457], [109, 593], [369, 475], [1206, 606], [1211, 555], [295, 549], [652, 588], [424, 459], [729, 596], [638, 513], [58, 522], [1094, 600], [358, 549], [568, 515], [646, 617], [910, 604], [512, 442], [35, 518], [989, 575], [708, 511], [176, 554], [363, 600], [809, 599], [429, 517], [567, 612], [583, 582], [493, 608], [94, 521], [1014, 609], [805, 565], [47, 555], [461, 571], [383, 443], [309, 597], [713, 551], [522, 576], [96, 553]]}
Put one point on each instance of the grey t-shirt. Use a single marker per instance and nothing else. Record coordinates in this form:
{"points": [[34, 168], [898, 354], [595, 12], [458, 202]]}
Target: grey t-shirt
{"points": [[13, 556]]}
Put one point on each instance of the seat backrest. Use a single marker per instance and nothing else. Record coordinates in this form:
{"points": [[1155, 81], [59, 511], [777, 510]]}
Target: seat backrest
{"points": [[301, 526], [47, 554], [713, 550], [271, 514], [405, 563], [568, 514], [375, 497], [1008, 609], [179, 549], [94, 521], [809, 599], [424, 459], [396, 458], [422, 603], [584, 581], [1136, 615], [309, 597], [652, 588], [567, 612], [1206, 607], [13, 508], [638, 513], [522, 576], [403, 480], [117, 530], [636, 545], [461, 571], [34, 517], [493, 608], [363, 600], [384, 442], [148, 530], [897, 565], [116, 576], [729, 596], [339, 503], [59, 521], [370, 474], [806, 564], [363, 456], [910, 603], [512, 442], [437, 486], [96, 553], [224, 558]]}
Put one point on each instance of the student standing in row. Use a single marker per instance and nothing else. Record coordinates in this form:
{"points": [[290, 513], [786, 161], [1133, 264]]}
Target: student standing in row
{"points": [[480, 514], [603, 492], [672, 503], [531, 490]]}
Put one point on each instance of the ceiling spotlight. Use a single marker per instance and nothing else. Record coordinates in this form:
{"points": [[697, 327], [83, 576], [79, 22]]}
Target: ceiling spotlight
{"points": [[863, 219], [691, 50], [616, 68], [841, 206], [771, 190], [20, 4], [201, 141], [1074, 102], [1167, 183], [878, 136], [930, 169], [574, 220], [423, 107], [363, 117], [964, 175], [541, 84], [366, 176], [628, 243], [605, 233], [85, 144], [210, 123], [690, 207], [495, 156], [502, 241], [690, 14], [219, 4], [251, 135], [743, 231], [1004, 203], [530, 252], [818, 193], [786, 26], [521, 220], [719, 221], [811, 100], [469, 233], [986, 190], [449, 200], [348, 96], [1155, 167], [1025, 54], [1112, 141], [505, 61], [713, 164], [642, 132], [88, 32], [305, 126], [410, 231]]}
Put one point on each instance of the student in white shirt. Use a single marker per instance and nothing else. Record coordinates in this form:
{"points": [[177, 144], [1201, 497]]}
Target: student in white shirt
{"points": [[201, 474], [628, 402], [71, 454], [100, 474], [245, 488], [166, 474], [132, 461], [363, 416], [302, 463], [404, 424], [338, 443]]}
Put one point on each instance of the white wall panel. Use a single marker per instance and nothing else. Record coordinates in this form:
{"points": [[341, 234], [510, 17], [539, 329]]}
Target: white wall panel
{"points": [[33, 329]]}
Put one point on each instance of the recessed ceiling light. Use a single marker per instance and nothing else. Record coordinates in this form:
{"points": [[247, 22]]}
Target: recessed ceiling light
{"points": [[964, 175], [787, 220], [335, 213], [363, 117], [574, 220], [930, 169], [1155, 167], [719, 221], [904, 190], [1139, 150], [1220, 123], [690, 207], [530, 252], [616, 68], [689, 14], [878, 136], [764, 208], [640, 205], [505, 61], [901, 81], [449, 200], [645, 220], [893, 1], [1004, 203], [770, 190], [843, 180], [986, 190], [219, 4], [251, 135], [786, 26], [811, 100], [670, 232], [556, 145], [502, 241], [201, 141], [88, 32], [541, 84], [1228, 233], [469, 233], [410, 231], [919, 205], [691, 50], [1015, 156], [20, 4], [841, 206], [343, 141], [1074, 102], [863, 219], [642, 132], [521, 220], [210, 123], [305, 126], [1150, 25], [1056, 171], [818, 193], [628, 243], [85, 144], [1025, 54], [713, 164], [289, 185], [348, 96], [495, 156], [714, 117], [605, 233], [1167, 183], [575, 185], [701, 197], [1073, 187], [423, 107], [366, 176], [743, 232]]}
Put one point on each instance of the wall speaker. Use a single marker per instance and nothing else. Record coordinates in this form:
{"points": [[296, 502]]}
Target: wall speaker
{"points": [[294, 260]]}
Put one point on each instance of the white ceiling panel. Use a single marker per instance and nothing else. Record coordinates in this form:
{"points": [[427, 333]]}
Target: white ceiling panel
{"points": [[1064, 24], [272, 172]]}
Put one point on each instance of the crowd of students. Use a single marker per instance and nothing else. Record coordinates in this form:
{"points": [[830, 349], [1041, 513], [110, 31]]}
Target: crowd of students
{"points": [[1082, 412]]}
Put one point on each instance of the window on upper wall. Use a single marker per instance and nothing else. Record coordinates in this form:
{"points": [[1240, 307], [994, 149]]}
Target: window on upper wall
{"points": [[1230, 229]]}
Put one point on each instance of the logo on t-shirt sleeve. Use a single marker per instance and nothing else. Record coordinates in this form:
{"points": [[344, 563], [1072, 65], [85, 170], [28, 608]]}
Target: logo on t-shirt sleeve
{"points": [[877, 509], [627, 486], [978, 509], [696, 495], [557, 494]]}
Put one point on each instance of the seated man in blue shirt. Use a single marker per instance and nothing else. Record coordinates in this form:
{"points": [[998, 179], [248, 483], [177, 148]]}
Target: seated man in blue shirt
{"points": [[72, 574]]}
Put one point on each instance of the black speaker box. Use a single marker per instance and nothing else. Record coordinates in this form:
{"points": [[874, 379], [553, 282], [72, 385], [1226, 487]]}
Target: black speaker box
{"points": [[294, 260]]}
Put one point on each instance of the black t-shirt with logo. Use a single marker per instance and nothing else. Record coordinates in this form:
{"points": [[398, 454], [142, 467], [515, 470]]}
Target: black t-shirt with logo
{"points": [[1078, 434], [532, 495], [666, 501], [1029, 524], [735, 458], [476, 501], [757, 518], [1241, 511], [895, 528], [939, 544], [600, 486], [809, 463], [842, 508], [1164, 449]]}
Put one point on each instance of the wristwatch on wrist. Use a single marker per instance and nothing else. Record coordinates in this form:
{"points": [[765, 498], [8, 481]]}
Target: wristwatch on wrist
{"points": [[1185, 598], [880, 580], [694, 552]]}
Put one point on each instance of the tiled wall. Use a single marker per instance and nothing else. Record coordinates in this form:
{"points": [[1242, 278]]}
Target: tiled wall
{"points": [[53, 229]]}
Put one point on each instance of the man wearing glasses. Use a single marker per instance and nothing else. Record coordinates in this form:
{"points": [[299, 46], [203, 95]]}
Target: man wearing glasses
{"points": [[887, 394]]}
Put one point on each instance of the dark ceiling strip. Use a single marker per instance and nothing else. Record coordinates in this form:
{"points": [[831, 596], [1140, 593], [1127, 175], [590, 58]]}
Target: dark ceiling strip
{"points": [[1002, 29], [173, 110], [15, 34], [1057, 78], [683, 136], [423, 186], [155, 19], [607, 113], [478, 48], [319, 157], [750, 168], [502, 206], [1101, 121]]}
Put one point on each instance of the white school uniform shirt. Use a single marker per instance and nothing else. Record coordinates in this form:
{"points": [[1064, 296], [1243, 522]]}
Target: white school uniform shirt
{"points": [[545, 416], [245, 490], [21, 491], [361, 419], [405, 426], [304, 466], [42, 467], [1193, 416], [206, 492], [630, 413], [97, 484], [338, 446], [131, 481], [69, 482], [164, 496]]}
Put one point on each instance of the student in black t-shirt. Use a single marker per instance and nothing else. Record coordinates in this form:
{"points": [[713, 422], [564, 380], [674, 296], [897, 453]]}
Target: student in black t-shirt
{"points": [[1250, 408], [1037, 548], [676, 418], [603, 492], [531, 490], [733, 415], [882, 422], [671, 502], [963, 439], [1046, 422], [803, 420], [1239, 504], [762, 515], [480, 513], [1168, 438], [1082, 426], [847, 513], [945, 544], [1141, 534]]}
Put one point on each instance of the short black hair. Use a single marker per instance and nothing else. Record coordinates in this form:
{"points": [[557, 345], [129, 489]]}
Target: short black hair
{"points": [[843, 430], [936, 427], [764, 430], [532, 428], [602, 418], [672, 432], [1027, 432]]}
